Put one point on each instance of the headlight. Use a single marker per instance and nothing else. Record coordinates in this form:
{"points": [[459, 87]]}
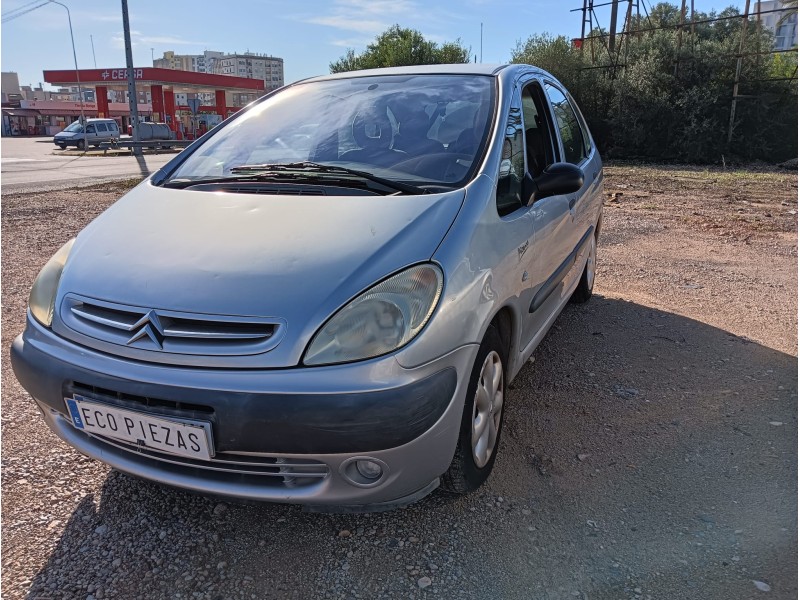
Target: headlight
{"points": [[43, 292], [382, 319]]}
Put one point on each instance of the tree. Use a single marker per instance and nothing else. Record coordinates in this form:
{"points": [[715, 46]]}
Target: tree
{"points": [[397, 47], [662, 99]]}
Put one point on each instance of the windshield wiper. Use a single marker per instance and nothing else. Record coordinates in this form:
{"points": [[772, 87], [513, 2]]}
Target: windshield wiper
{"points": [[317, 169]]}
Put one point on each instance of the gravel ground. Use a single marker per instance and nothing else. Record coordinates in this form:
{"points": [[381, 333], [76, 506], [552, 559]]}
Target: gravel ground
{"points": [[650, 447]]}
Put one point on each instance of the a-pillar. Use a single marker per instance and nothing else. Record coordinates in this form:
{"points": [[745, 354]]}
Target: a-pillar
{"points": [[222, 107], [157, 100], [169, 109], [101, 96]]}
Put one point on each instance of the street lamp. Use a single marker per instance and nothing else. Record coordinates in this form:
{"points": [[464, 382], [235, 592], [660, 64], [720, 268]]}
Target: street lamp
{"points": [[77, 74]]}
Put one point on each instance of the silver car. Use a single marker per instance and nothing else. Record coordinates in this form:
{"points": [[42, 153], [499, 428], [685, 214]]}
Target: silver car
{"points": [[323, 300]]}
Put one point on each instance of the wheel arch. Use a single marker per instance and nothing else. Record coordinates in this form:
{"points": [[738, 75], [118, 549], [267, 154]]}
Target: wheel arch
{"points": [[506, 322]]}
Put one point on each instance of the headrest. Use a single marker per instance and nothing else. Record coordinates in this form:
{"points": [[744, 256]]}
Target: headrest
{"points": [[415, 125]]}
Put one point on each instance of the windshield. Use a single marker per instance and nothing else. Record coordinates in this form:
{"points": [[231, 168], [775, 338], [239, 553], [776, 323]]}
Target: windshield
{"points": [[420, 129], [74, 127]]}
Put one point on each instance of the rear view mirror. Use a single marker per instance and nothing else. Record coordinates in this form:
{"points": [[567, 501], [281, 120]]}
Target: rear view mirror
{"points": [[557, 179]]}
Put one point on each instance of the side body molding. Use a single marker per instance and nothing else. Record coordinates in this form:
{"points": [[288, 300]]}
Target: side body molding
{"points": [[552, 282]]}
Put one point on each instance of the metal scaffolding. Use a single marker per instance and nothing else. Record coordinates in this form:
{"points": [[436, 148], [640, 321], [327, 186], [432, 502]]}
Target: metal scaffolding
{"points": [[614, 42]]}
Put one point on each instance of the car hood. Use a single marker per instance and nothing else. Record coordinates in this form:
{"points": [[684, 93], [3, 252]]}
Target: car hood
{"points": [[294, 258], [64, 134]]}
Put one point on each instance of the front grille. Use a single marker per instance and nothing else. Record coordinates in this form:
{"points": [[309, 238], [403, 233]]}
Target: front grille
{"points": [[279, 471], [169, 331], [286, 472], [187, 410]]}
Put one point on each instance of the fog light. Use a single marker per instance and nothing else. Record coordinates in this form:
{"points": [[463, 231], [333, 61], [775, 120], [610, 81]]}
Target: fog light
{"points": [[369, 469], [364, 471]]}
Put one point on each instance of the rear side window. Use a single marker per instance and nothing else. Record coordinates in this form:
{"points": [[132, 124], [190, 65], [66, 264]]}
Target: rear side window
{"points": [[587, 137], [101, 127], [112, 126], [568, 126]]}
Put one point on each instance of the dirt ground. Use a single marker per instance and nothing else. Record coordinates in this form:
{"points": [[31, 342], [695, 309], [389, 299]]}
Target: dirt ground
{"points": [[649, 450]]}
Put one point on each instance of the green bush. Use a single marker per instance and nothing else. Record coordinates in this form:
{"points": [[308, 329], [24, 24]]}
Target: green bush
{"points": [[639, 105]]}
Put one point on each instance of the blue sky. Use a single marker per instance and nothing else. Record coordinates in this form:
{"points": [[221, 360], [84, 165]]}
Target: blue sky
{"points": [[308, 35]]}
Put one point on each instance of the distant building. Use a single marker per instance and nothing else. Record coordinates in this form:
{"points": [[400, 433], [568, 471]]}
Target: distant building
{"points": [[785, 32], [9, 86], [199, 63], [13, 92], [253, 66], [267, 68]]}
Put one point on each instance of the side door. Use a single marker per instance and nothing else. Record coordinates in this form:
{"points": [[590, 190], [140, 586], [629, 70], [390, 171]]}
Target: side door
{"points": [[513, 236], [102, 132], [551, 215], [578, 150], [91, 134]]}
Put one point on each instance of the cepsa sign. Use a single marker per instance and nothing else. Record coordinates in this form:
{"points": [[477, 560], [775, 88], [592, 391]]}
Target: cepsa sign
{"points": [[120, 74]]}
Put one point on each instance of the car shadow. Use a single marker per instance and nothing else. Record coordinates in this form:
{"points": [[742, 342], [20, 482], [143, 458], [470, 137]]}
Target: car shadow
{"points": [[643, 453]]}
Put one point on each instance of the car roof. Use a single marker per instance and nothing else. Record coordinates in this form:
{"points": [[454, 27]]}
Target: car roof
{"points": [[507, 71], [455, 69]]}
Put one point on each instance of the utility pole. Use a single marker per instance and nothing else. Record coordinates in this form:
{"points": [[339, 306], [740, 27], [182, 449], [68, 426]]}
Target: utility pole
{"points": [[132, 97], [680, 36], [745, 18], [481, 41], [612, 30], [94, 58], [75, 58]]}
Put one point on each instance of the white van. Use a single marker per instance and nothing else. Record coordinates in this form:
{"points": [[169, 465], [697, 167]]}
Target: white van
{"points": [[96, 132]]}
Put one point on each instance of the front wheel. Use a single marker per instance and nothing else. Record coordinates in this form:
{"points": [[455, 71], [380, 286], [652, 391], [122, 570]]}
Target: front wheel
{"points": [[482, 419], [585, 287], [81, 144]]}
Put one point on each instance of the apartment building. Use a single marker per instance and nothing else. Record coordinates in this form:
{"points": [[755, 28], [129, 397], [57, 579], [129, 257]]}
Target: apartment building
{"points": [[253, 66], [771, 14], [199, 63], [249, 64]]}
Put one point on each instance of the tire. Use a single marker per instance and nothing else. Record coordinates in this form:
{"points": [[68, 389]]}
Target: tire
{"points": [[471, 465], [62, 146], [583, 292], [81, 144]]}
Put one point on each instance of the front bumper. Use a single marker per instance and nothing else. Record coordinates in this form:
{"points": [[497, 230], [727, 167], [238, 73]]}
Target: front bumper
{"points": [[287, 435]]}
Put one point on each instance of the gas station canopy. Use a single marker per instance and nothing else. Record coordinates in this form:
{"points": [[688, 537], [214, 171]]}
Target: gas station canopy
{"points": [[153, 76], [163, 85]]}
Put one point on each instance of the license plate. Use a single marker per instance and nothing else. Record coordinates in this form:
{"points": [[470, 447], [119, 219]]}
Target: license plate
{"points": [[174, 436]]}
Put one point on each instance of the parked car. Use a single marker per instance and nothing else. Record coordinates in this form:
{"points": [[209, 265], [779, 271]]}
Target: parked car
{"points": [[96, 132], [323, 301]]}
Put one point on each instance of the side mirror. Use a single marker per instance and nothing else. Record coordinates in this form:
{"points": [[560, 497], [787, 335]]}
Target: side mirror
{"points": [[556, 179]]}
